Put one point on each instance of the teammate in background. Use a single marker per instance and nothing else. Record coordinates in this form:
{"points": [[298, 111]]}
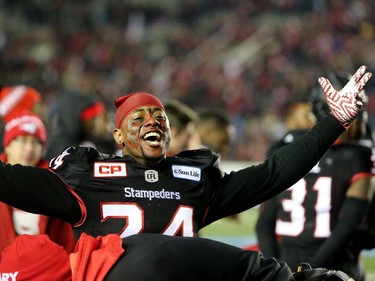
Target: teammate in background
{"points": [[146, 192], [215, 130], [300, 116], [24, 142], [144, 257], [79, 119], [299, 119], [316, 219], [182, 121]]}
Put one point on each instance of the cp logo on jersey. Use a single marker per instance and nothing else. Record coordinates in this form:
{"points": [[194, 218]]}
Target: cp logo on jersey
{"points": [[102, 170], [151, 176]]}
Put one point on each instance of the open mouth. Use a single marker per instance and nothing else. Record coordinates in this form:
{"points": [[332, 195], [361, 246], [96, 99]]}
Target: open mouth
{"points": [[152, 138]]}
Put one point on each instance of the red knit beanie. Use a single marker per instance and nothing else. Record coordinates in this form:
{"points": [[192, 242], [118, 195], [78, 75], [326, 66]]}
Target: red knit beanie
{"points": [[126, 104], [35, 258], [24, 124], [17, 98]]}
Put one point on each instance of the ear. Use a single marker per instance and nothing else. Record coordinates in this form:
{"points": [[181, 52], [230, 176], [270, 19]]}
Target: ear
{"points": [[117, 136]]}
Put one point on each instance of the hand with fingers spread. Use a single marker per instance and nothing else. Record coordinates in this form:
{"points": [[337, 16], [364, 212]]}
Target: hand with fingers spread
{"points": [[347, 103]]}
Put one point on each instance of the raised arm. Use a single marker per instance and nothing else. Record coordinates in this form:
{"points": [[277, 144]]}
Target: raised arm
{"points": [[254, 185]]}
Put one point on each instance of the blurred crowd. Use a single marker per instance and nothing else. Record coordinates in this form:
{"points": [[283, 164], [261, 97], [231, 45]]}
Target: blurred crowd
{"points": [[249, 58]]}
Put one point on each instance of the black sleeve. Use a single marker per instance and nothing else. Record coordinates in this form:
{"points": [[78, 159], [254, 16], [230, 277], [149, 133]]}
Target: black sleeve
{"points": [[265, 229], [352, 212], [37, 190], [246, 188]]}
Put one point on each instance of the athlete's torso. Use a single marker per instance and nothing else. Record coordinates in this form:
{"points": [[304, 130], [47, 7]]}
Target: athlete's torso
{"points": [[122, 196]]}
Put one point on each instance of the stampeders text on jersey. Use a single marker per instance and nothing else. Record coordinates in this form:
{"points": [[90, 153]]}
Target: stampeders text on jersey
{"points": [[151, 194]]}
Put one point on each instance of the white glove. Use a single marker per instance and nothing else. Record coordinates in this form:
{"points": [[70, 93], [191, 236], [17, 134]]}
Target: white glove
{"points": [[345, 105]]}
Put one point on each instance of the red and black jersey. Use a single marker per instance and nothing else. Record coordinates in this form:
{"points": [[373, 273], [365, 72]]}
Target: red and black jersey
{"points": [[122, 196]]}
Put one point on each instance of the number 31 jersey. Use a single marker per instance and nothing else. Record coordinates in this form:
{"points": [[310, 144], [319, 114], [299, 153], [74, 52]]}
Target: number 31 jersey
{"points": [[310, 209]]}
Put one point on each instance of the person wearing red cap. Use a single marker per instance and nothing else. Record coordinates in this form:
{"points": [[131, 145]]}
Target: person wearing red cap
{"points": [[24, 141], [15, 99], [144, 191]]}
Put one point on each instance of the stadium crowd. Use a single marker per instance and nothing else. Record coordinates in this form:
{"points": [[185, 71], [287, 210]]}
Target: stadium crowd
{"points": [[249, 58]]}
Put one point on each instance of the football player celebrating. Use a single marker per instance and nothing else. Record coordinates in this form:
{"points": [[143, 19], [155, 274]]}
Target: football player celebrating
{"points": [[144, 191]]}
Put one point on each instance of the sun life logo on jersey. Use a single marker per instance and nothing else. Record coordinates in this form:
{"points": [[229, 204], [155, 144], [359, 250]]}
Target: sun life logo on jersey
{"points": [[186, 172], [151, 176], [105, 170]]}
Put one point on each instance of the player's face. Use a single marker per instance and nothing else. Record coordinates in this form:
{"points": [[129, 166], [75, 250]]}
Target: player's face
{"points": [[145, 134]]}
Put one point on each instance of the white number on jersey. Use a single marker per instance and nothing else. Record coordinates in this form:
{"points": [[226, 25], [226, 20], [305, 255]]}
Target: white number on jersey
{"points": [[134, 216], [294, 206]]}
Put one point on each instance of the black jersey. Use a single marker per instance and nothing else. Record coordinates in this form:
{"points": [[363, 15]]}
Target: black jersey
{"points": [[122, 196], [306, 213]]}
